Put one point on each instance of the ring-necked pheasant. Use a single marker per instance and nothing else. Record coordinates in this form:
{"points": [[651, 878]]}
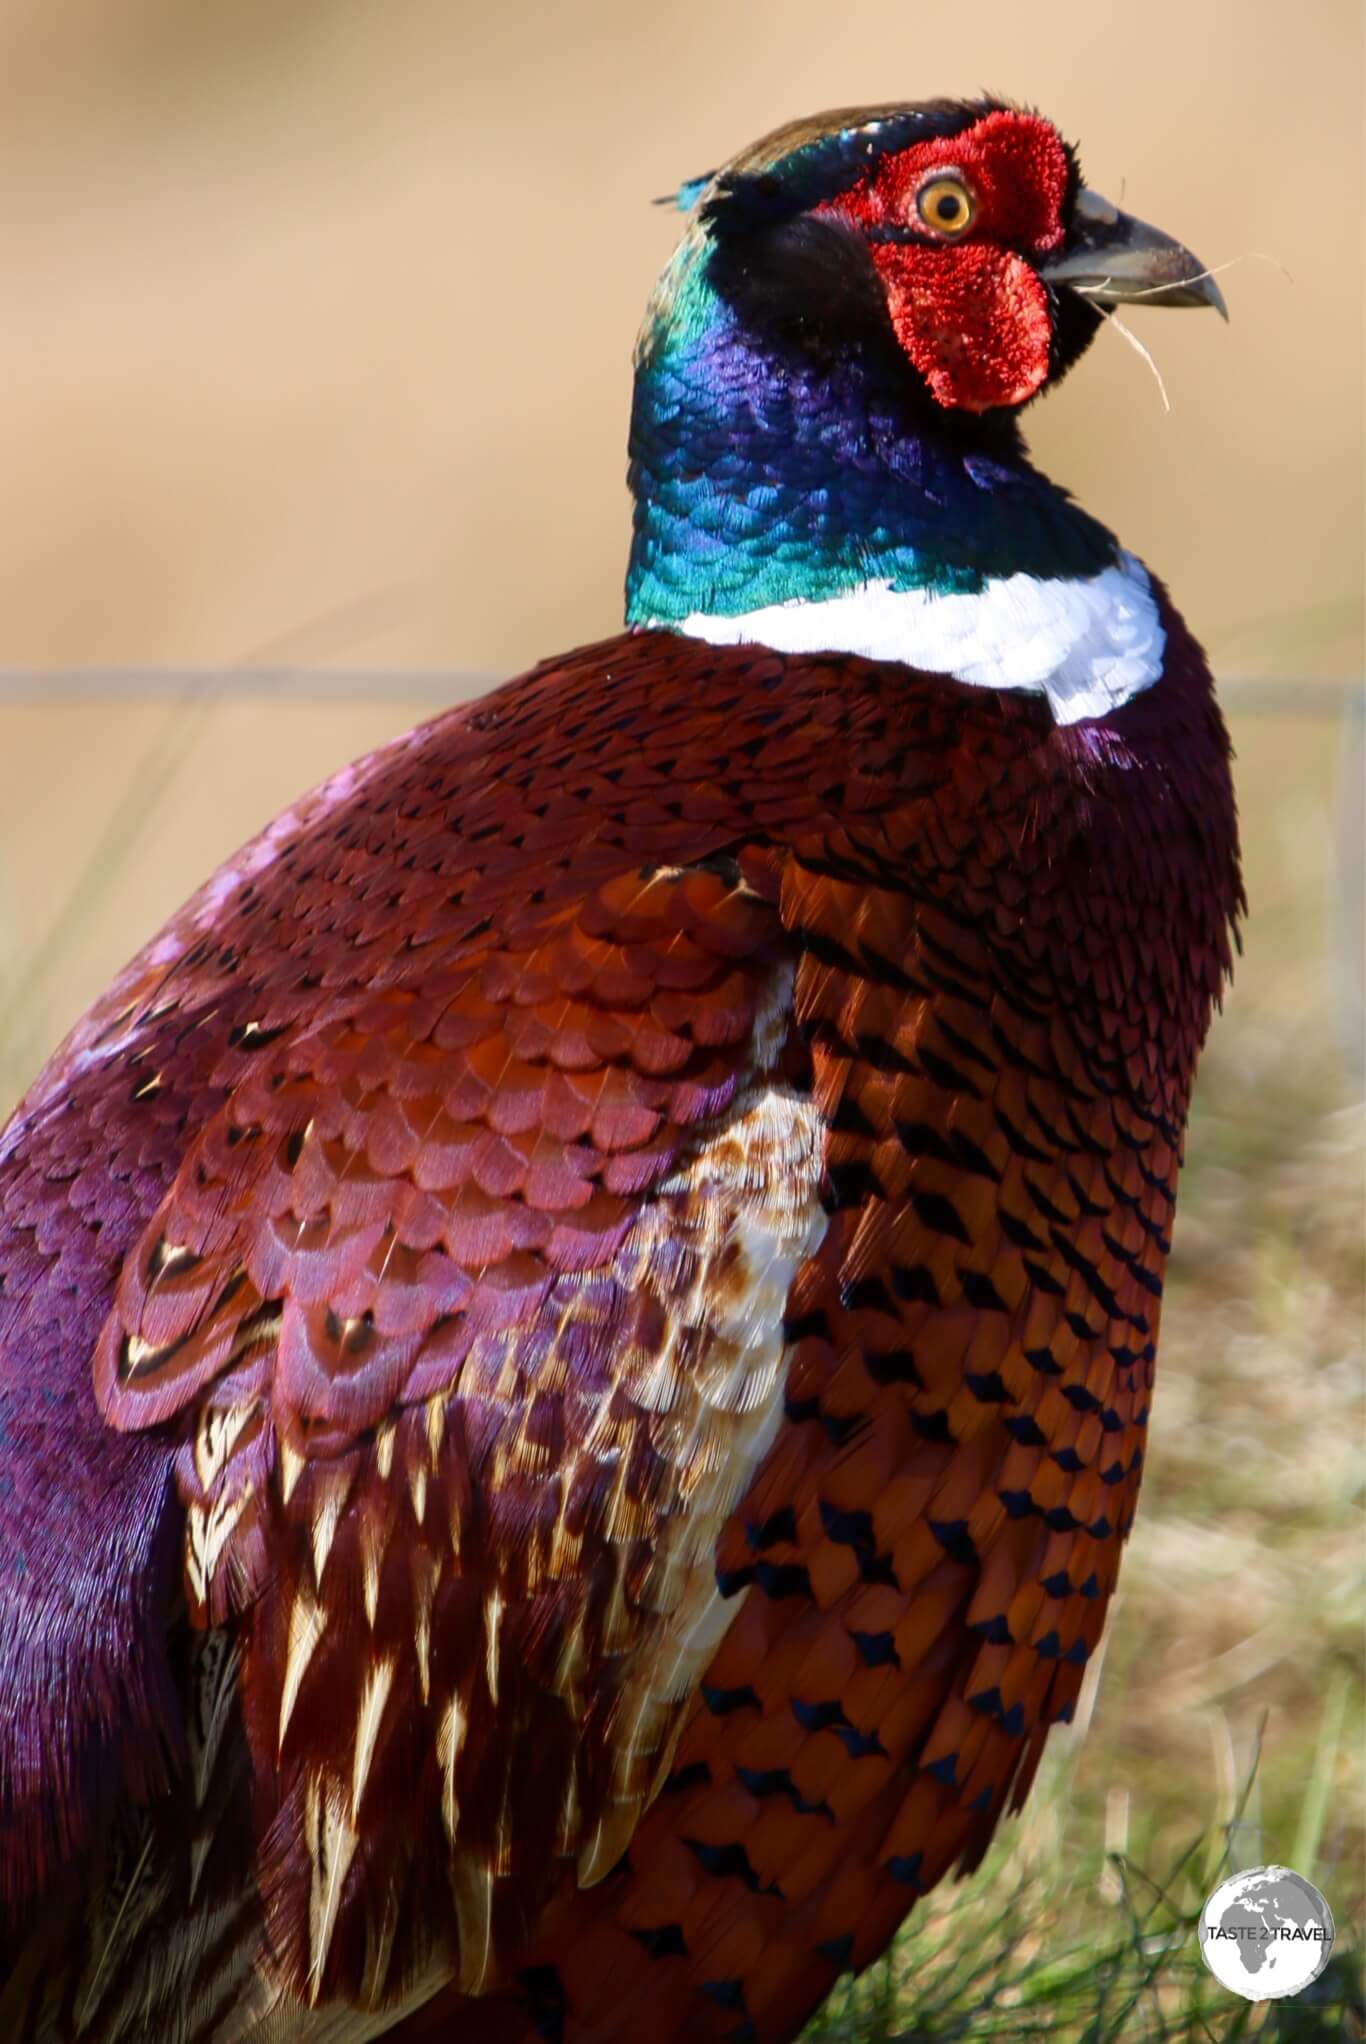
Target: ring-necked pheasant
{"points": [[576, 1331]]}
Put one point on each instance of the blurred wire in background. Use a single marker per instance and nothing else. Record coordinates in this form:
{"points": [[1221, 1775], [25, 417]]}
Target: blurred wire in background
{"points": [[136, 782]]}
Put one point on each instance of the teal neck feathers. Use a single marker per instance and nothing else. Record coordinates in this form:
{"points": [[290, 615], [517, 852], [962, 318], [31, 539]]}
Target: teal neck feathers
{"points": [[817, 501]]}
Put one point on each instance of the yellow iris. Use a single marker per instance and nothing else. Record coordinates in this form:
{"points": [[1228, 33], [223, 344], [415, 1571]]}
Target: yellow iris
{"points": [[945, 206]]}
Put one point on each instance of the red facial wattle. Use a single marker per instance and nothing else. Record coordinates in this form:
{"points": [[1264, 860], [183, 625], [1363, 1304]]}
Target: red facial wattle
{"points": [[974, 320], [970, 311]]}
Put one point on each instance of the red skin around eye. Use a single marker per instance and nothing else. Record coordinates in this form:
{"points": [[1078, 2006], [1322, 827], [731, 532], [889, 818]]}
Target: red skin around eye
{"points": [[972, 315]]}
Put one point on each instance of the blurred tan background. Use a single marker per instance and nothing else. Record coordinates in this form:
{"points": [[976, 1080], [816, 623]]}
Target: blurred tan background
{"points": [[306, 303], [315, 335]]}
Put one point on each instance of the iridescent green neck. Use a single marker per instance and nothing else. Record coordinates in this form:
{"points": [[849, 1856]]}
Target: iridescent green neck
{"points": [[762, 475]]}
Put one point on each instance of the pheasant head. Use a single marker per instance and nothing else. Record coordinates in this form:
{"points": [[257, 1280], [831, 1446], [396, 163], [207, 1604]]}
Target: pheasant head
{"points": [[828, 387]]}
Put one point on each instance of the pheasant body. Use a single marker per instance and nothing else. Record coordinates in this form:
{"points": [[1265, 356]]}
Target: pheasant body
{"points": [[584, 1318]]}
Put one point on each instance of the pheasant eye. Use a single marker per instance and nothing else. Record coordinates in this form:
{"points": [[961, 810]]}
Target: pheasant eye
{"points": [[945, 206]]}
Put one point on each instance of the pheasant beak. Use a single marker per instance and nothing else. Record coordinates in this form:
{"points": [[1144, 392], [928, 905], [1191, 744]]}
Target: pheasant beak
{"points": [[1116, 260]]}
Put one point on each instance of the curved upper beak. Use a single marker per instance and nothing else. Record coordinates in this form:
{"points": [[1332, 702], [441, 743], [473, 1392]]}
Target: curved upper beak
{"points": [[1114, 259]]}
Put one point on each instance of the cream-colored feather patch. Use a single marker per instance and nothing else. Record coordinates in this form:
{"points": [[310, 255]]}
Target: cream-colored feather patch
{"points": [[744, 1209]]}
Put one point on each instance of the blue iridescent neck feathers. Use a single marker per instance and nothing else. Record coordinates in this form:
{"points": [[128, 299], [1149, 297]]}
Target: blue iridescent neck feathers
{"points": [[785, 494]]}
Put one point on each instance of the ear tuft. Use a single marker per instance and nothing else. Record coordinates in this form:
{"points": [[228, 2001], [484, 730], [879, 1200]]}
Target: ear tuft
{"points": [[688, 193]]}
